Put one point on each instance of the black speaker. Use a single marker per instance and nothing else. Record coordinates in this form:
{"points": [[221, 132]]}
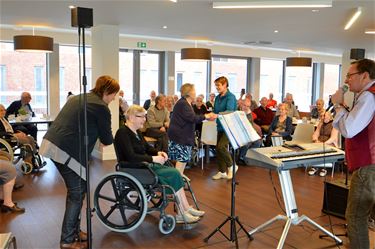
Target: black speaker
{"points": [[357, 53], [82, 17], [335, 198]]}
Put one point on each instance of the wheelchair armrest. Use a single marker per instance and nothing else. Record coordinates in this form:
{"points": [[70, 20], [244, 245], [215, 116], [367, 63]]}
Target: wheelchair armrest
{"points": [[129, 165], [10, 138], [141, 171]]}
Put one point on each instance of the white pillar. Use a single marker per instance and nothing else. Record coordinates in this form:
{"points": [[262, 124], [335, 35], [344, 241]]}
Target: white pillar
{"points": [[105, 61], [53, 81], [169, 74], [255, 78]]}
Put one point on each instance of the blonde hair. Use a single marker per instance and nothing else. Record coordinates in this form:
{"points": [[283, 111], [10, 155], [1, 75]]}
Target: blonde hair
{"points": [[285, 105], [186, 89], [134, 110]]}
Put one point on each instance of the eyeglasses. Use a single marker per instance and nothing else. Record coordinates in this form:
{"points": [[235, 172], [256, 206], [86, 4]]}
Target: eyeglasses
{"points": [[140, 116], [348, 75]]}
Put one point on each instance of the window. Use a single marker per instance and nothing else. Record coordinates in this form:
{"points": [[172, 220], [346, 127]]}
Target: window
{"points": [[23, 72], [271, 78], [40, 85], [331, 80], [298, 81], [194, 72], [69, 78], [3, 83], [149, 75], [234, 69], [126, 75]]}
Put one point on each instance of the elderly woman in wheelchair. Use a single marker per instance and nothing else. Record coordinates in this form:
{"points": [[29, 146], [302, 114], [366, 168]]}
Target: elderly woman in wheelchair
{"points": [[141, 164], [17, 139]]}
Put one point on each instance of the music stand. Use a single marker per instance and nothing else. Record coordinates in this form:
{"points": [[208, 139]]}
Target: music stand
{"points": [[238, 137]]}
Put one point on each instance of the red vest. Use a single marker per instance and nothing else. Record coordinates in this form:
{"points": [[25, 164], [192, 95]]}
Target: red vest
{"points": [[360, 149]]}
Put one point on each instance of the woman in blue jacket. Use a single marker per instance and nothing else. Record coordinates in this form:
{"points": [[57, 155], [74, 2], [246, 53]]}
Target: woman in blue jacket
{"points": [[281, 125]]}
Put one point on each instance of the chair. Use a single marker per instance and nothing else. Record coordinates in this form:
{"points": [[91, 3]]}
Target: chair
{"points": [[6, 239], [208, 136], [303, 133]]}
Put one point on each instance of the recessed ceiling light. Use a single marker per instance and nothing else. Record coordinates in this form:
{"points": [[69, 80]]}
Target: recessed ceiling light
{"points": [[315, 11], [355, 16], [276, 31], [370, 31], [174, 1], [272, 4], [71, 6], [165, 27]]}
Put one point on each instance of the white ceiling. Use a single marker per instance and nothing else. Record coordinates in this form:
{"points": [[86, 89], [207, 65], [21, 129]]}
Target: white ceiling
{"points": [[299, 29]]}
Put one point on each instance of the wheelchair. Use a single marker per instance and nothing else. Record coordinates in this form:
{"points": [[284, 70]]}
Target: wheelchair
{"points": [[123, 198], [11, 145]]}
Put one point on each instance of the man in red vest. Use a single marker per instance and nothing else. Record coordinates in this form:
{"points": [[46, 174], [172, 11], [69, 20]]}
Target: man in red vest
{"points": [[358, 128]]}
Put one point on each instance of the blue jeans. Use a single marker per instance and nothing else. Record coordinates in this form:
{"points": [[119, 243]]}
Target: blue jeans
{"points": [[76, 191], [361, 202]]}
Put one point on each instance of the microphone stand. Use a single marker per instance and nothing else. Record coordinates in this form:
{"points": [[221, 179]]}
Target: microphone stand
{"points": [[85, 142], [233, 219]]}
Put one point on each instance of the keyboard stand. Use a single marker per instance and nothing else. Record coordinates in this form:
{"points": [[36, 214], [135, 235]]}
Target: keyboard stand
{"points": [[292, 217]]}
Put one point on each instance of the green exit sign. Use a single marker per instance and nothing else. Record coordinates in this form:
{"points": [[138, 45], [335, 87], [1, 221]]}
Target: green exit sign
{"points": [[141, 44]]}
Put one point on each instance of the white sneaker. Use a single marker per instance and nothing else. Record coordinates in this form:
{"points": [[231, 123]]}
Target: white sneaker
{"points": [[230, 172], [323, 172], [186, 217], [196, 212], [219, 175], [312, 171]]}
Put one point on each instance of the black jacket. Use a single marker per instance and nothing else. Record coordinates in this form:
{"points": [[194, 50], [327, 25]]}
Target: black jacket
{"points": [[15, 106]]}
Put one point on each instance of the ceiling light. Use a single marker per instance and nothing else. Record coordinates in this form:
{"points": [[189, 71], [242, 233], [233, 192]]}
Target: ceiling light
{"points": [[353, 18], [315, 11], [273, 4], [196, 54], [175, 1], [298, 62], [165, 27], [72, 7], [33, 43], [370, 31], [276, 31]]}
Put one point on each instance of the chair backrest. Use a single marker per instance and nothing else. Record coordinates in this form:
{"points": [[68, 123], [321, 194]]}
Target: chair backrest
{"points": [[209, 133], [277, 140], [303, 133]]}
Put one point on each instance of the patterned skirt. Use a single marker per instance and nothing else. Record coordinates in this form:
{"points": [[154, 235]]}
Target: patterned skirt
{"points": [[179, 152]]}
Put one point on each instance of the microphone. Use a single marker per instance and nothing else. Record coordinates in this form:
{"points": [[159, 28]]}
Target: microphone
{"points": [[344, 88]]}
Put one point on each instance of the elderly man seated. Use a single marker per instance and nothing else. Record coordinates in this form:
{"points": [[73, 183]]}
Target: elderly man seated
{"points": [[21, 107], [292, 109], [158, 122], [264, 115]]}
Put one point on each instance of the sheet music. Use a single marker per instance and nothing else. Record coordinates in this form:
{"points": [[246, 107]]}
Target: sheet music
{"points": [[238, 129]]}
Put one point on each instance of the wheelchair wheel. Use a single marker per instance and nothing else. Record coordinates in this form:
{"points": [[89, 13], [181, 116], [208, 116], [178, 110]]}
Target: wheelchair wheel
{"points": [[120, 202], [167, 224], [5, 147], [26, 168]]}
